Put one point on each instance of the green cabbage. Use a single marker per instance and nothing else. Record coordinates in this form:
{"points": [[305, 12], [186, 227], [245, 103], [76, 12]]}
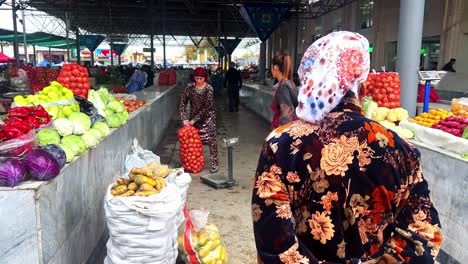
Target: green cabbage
{"points": [[103, 127], [48, 136], [64, 126], [123, 117], [113, 120], [96, 132], [68, 152], [108, 112], [90, 139], [116, 106], [81, 122], [76, 143], [369, 106]]}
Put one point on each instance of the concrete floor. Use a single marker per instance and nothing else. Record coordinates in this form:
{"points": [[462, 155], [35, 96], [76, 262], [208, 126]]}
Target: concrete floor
{"points": [[230, 208]]}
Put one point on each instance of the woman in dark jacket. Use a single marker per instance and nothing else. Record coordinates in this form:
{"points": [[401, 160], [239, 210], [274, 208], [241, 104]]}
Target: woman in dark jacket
{"points": [[285, 100], [334, 186]]}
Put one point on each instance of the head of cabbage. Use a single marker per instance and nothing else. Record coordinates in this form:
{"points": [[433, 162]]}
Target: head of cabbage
{"points": [[76, 143], [48, 136], [69, 153], [90, 139], [113, 120], [103, 127], [81, 122], [64, 126]]}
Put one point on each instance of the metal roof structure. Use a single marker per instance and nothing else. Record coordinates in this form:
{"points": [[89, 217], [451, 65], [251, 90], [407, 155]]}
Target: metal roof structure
{"points": [[170, 17]]}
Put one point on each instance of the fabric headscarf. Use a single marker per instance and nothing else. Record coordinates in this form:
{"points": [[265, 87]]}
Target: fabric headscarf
{"points": [[331, 67]]}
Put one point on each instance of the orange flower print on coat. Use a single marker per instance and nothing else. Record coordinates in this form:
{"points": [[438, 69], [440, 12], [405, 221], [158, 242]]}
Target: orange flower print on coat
{"points": [[327, 201], [283, 211], [292, 256], [268, 185], [322, 227], [256, 212], [382, 201], [335, 159], [377, 132], [293, 177]]}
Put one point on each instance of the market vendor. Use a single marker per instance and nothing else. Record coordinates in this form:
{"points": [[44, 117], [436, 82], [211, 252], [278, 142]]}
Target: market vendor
{"points": [[335, 186], [202, 112]]}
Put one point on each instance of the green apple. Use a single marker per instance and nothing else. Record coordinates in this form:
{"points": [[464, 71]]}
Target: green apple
{"points": [[30, 99], [53, 111]]}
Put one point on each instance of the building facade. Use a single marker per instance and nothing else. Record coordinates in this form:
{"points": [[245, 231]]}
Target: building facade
{"points": [[445, 32]]}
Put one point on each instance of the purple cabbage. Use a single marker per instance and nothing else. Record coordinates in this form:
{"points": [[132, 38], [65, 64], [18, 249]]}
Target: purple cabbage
{"points": [[41, 165], [57, 152], [12, 171]]}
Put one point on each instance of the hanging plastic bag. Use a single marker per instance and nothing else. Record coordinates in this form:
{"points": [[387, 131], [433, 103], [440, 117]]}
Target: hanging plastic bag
{"points": [[201, 241], [18, 146], [139, 157], [191, 149]]}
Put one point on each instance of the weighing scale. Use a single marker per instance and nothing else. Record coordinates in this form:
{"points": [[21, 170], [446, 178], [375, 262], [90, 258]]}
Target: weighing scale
{"points": [[218, 180]]}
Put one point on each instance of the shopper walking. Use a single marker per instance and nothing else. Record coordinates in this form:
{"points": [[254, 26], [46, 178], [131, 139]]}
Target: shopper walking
{"points": [[202, 112], [285, 99], [233, 82], [335, 186]]}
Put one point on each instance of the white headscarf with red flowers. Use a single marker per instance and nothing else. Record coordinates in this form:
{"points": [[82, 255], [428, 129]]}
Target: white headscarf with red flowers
{"points": [[332, 66]]}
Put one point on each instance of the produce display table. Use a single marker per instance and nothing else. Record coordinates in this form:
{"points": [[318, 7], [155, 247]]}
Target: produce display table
{"points": [[447, 174], [62, 220]]}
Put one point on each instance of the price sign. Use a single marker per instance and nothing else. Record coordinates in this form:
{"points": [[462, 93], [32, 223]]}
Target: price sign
{"points": [[428, 75]]}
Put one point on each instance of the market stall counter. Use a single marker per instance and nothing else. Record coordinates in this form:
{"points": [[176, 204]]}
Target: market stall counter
{"points": [[62, 220], [445, 171]]}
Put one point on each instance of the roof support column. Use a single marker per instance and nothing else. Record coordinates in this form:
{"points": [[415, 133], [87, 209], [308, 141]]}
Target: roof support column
{"points": [[92, 58], [50, 56], [219, 38], [34, 55], [408, 51], [112, 52], [25, 45], [67, 27], [15, 33], [152, 50], [262, 63], [78, 54]]}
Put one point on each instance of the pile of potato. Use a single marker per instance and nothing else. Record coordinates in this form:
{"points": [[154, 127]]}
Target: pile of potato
{"points": [[142, 181]]}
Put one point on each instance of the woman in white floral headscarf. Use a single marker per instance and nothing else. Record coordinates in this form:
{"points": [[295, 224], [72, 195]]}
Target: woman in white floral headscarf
{"points": [[335, 187]]}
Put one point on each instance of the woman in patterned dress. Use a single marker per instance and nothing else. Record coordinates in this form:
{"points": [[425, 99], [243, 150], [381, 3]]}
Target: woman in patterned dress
{"points": [[334, 186], [202, 112]]}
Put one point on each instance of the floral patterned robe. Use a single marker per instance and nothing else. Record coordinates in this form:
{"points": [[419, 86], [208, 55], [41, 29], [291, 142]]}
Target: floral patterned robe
{"points": [[345, 190]]}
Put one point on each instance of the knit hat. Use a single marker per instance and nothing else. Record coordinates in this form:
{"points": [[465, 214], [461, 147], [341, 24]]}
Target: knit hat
{"points": [[331, 67]]}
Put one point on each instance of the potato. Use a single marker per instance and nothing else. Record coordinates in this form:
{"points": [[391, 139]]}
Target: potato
{"points": [[133, 186], [119, 190], [145, 193], [140, 179], [128, 193], [153, 166], [163, 171], [146, 187], [123, 181], [143, 172]]}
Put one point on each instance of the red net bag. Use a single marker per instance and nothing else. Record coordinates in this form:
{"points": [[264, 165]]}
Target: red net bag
{"points": [[384, 88], [75, 78], [163, 79], [191, 149]]}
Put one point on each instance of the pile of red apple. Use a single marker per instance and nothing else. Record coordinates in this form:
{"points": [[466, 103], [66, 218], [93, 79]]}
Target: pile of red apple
{"points": [[453, 125]]}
